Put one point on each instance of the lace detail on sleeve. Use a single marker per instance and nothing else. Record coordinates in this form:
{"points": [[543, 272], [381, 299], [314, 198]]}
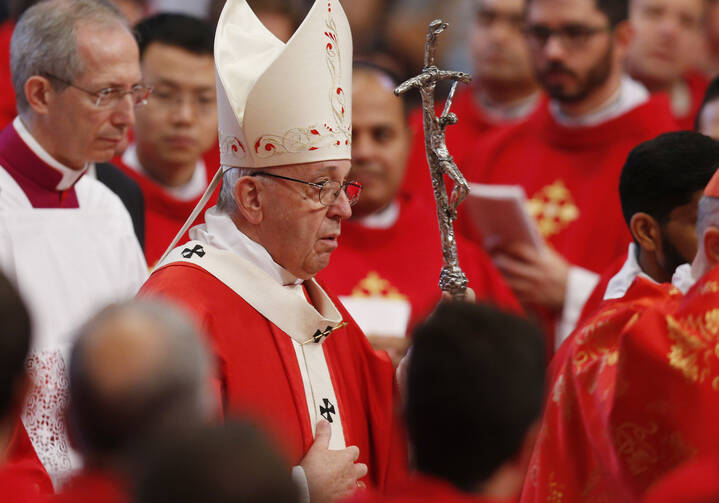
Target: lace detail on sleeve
{"points": [[43, 414]]}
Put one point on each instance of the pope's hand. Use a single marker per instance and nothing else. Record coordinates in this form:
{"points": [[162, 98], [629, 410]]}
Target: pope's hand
{"points": [[331, 475], [536, 277]]}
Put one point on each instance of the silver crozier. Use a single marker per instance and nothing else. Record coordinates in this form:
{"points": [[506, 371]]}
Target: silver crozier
{"points": [[451, 278]]}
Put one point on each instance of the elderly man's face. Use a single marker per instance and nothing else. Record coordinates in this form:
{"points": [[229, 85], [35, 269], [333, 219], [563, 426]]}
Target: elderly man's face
{"points": [[571, 46], [667, 39], [296, 229], [84, 132], [179, 122]]}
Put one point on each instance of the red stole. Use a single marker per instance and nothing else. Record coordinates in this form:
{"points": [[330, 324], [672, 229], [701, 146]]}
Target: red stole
{"points": [[35, 177]]}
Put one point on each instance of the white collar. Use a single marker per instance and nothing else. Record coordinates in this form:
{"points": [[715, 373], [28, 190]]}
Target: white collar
{"points": [[628, 96], [69, 175], [220, 231], [620, 282], [382, 219], [511, 112], [683, 278], [185, 192]]}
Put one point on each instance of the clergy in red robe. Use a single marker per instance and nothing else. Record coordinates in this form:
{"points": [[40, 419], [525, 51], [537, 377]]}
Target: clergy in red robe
{"points": [[567, 156], [464, 350], [176, 127], [287, 352], [139, 371], [659, 187], [616, 421], [387, 267], [503, 92], [665, 51]]}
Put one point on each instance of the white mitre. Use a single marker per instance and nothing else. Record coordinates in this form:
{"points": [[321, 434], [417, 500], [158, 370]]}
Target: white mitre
{"points": [[283, 103]]}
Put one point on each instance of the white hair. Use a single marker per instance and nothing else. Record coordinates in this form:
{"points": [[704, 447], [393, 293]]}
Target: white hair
{"points": [[44, 42], [226, 200]]}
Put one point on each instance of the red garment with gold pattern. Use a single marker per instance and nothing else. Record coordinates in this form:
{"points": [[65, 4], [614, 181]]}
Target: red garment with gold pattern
{"points": [[635, 394]]}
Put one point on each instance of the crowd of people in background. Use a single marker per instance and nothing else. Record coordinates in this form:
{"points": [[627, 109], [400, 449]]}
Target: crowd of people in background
{"points": [[219, 253]]}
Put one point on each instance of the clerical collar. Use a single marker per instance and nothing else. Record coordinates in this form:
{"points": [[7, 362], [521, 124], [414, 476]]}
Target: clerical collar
{"points": [[68, 176], [511, 112], [185, 192], [620, 282], [220, 231], [628, 96], [383, 219]]}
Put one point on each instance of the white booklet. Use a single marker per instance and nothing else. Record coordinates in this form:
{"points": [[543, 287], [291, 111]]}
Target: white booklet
{"points": [[499, 216]]}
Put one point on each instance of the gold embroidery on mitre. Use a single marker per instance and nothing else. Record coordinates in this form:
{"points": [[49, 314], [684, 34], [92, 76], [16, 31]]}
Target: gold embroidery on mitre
{"points": [[553, 208], [633, 447], [337, 133], [693, 356], [375, 286]]}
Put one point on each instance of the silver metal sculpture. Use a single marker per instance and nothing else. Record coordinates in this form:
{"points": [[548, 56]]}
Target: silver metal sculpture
{"points": [[451, 278]]}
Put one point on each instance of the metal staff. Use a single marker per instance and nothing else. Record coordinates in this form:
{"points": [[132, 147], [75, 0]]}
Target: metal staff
{"points": [[451, 278]]}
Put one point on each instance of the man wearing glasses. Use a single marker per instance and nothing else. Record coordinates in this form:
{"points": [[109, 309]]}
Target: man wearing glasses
{"points": [[65, 239], [569, 154], [287, 352], [174, 153]]}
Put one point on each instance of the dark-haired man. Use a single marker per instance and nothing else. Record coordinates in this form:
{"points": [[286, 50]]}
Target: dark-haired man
{"points": [[174, 153], [567, 156], [659, 187], [465, 350]]}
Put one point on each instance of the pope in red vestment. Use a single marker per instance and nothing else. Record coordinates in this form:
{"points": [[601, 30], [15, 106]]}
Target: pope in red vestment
{"points": [[617, 416], [403, 262]]}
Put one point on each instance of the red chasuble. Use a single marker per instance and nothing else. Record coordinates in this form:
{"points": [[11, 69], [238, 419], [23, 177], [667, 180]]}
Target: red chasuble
{"points": [[164, 214], [571, 175], [696, 481], [92, 486], [404, 261], [635, 396], [23, 477], [7, 92], [596, 299], [422, 489], [462, 138], [260, 376]]}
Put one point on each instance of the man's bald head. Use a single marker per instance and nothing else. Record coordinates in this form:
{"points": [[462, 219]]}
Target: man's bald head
{"points": [[136, 367]]}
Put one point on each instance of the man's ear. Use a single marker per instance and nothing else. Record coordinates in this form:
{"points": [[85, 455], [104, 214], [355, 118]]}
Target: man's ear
{"points": [[248, 196], [711, 246], [623, 35], [646, 232], [37, 93]]}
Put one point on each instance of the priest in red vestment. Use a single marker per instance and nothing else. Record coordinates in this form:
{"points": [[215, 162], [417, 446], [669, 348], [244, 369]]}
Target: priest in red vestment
{"points": [[503, 92], [616, 419], [665, 52], [139, 370], [174, 152], [482, 369], [660, 186], [287, 352], [386, 268], [567, 156]]}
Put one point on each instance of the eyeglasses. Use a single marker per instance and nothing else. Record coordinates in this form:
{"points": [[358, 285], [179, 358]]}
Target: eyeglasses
{"points": [[329, 189], [111, 97], [571, 36]]}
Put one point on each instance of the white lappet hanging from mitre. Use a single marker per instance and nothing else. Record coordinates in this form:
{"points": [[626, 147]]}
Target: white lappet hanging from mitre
{"points": [[280, 103], [283, 103]]}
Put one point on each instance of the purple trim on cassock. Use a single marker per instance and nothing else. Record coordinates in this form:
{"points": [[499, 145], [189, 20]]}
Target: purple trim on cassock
{"points": [[35, 177]]}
